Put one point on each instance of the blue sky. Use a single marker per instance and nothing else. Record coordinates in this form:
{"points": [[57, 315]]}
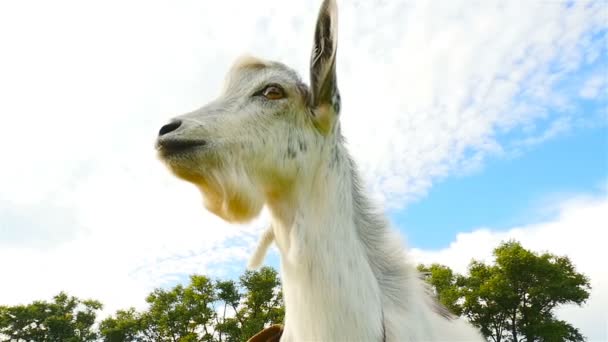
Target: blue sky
{"points": [[511, 190], [471, 122]]}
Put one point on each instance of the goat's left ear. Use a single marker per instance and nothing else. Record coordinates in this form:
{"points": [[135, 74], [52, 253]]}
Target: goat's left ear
{"points": [[325, 97]]}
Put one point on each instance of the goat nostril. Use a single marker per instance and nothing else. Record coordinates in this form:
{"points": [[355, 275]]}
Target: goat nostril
{"points": [[170, 127]]}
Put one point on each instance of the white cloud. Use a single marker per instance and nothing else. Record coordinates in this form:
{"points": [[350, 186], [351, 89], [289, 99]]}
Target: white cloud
{"points": [[577, 232], [460, 75], [596, 85], [427, 86]]}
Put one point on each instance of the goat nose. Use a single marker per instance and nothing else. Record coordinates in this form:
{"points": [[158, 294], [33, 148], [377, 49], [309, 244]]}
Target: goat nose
{"points": [[170, 127]]}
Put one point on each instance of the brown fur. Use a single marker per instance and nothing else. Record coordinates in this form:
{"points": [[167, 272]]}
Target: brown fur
{"points": [[270, 334]]}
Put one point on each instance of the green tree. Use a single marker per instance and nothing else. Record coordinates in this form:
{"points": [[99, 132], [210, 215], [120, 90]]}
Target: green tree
{"points": [[220, 311], [486, 300], [445, 285], [538, 284], [514, 299], [66, 319], [127, 325], [182, 313], [228, 328], [263, 301]]}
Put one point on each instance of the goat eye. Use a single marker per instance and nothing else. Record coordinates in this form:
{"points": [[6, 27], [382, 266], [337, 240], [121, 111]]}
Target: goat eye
{"points": [[273, 92]]}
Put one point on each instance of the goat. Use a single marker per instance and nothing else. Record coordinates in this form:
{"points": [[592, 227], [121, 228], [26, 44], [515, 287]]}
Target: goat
{"points": [[269, 139]]}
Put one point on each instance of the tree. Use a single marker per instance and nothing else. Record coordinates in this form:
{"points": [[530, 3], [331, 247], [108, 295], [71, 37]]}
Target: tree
{"points": [[126, 326], [228, 328], [66, 319], [203, 310], [514, 299], [263, 301], [182, 313], [538, 284], [444, 283], [485, 300]]}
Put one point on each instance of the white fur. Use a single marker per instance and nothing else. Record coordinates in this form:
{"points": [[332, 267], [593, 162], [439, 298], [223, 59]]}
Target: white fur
{"points": [[345, 273], [260, 252]]}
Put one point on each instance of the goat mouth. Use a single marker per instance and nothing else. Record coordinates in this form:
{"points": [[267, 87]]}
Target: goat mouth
{"points": [[167, 148]]}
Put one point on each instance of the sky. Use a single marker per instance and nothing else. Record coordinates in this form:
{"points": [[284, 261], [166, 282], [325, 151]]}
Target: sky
{"points": [[472, 122]]}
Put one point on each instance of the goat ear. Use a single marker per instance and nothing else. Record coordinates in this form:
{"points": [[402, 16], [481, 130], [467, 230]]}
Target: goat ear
{"points": [[325, 98]]}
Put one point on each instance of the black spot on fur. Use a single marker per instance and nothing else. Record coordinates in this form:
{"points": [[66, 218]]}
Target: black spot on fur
{"points": [[335, 157], [336, 102], [302, 146], [291, 153]]}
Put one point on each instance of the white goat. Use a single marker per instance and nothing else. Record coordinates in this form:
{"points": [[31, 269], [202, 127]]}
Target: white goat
{"points": [[271, 140]]}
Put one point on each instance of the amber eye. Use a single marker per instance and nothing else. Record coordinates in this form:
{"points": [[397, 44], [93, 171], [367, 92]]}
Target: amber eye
{"points": [[273, 92]]}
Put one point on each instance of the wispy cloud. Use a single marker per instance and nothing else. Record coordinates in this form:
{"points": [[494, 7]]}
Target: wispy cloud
{"points": [[595, 86], [454, 78]]}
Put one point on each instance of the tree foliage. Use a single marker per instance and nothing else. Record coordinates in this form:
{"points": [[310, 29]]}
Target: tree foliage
{"points": [[514, 299], [444, 284], [181, 313], [263, 301], [65, 319], [126, 325], [204, 310]]}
